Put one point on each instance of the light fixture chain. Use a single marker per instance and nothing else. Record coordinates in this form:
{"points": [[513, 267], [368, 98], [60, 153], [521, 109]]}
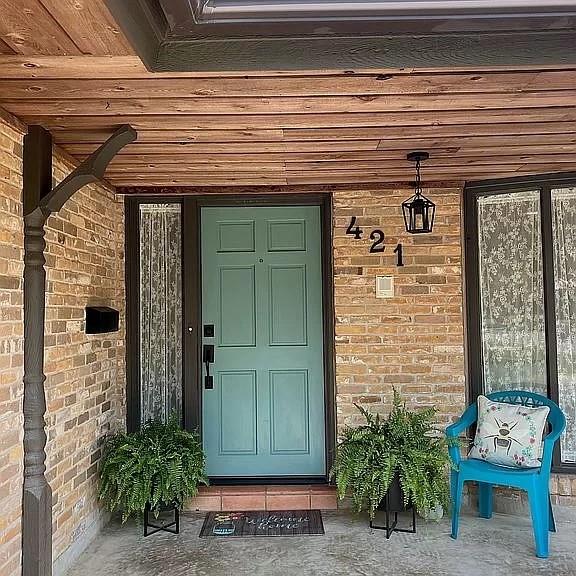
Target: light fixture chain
{"points": [[418, 178]]}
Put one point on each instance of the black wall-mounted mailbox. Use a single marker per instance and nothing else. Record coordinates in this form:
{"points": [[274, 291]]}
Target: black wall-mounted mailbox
{"points": [[101, 319]]}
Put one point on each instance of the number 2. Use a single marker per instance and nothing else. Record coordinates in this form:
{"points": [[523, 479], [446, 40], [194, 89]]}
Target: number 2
{"points": [[378, 237], [354, 231]]}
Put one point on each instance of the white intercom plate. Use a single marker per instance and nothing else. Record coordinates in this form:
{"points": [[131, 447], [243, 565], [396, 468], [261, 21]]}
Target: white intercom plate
{"points": [[384, 287]]}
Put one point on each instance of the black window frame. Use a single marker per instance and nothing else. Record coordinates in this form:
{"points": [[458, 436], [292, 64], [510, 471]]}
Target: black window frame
{"points": [[543, 183]]}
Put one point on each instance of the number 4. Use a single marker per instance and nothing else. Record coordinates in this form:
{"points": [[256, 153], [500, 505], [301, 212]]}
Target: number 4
{"points": [[354, 231]]}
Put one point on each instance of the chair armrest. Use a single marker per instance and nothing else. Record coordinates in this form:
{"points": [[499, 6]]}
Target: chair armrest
{"points": [[465, 421], [454, 430], [558, 424]]}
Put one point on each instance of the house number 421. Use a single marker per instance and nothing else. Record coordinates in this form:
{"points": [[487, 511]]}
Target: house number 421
{"points": [[378, 240]]}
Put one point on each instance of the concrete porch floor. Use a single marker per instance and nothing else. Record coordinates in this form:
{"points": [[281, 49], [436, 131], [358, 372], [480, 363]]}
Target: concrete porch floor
{"points": [[501, 546]]}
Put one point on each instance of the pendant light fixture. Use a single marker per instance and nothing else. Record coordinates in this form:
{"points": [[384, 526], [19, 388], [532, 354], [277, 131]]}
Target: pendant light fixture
{"points": [[418, 211]]}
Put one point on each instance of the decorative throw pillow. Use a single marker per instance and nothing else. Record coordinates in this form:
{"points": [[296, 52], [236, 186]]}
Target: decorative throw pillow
{"points": [[509, 434]]}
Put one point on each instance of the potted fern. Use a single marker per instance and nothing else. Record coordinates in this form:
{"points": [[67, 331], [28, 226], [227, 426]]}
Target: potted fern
{"points": [[157, 468], [402, 456]]}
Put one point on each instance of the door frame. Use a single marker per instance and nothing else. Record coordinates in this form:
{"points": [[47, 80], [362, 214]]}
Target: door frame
{"points": [[192, 311]]}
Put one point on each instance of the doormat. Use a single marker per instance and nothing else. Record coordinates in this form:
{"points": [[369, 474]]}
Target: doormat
{"points": [[273, 523]]}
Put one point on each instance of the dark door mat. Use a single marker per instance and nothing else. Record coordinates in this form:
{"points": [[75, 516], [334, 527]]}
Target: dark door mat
{"points": [[272, 523]]}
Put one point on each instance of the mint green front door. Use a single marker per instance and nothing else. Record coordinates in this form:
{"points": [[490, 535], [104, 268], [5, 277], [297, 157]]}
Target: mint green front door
{"points": [[262, 292]]}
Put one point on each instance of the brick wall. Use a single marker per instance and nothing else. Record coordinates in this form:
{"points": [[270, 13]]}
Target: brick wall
{"points": [[415, 340], [11, 339], [85, 374]]}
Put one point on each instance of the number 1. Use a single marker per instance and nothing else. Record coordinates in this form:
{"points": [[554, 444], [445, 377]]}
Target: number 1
{"points": [[398, 252]]}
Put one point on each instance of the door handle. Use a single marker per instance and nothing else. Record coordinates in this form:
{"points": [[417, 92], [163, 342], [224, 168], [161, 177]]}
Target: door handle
{"points": [[208, 358]]}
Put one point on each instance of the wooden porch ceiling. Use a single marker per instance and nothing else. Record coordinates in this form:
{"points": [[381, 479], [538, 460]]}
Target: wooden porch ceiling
{"points": [[64, 65]]}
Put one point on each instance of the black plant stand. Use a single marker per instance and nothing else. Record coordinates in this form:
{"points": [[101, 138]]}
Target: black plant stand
{"points": [[173, 527], [392, 527]]}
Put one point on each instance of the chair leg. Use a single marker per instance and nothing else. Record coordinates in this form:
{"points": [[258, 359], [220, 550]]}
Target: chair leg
{"points": [[551, 521], [539, 512], [457, 488], [485, 499], [453, 484]]}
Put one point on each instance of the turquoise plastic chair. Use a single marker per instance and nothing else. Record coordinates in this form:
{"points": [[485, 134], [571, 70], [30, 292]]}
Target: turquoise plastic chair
{"points": [[535, 481]]}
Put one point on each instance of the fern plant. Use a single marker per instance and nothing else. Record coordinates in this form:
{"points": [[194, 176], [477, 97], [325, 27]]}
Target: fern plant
{"points": [[160, 465], [406, 444]]}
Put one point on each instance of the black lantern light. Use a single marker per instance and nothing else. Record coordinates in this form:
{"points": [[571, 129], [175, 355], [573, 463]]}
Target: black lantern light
{"points": [[418, 211]]}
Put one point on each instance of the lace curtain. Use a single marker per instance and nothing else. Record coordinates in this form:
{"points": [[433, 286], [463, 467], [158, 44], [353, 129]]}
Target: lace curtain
{"points": [[160, 311], [564, 234], [512, 293]]}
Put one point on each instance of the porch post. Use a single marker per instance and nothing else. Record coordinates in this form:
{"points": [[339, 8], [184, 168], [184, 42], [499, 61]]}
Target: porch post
{"points": [[39, 201], [37, 496]]}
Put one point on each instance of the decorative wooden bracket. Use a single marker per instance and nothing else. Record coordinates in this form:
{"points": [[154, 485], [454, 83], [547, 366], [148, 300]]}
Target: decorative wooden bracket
{"points": [[40, 200]]}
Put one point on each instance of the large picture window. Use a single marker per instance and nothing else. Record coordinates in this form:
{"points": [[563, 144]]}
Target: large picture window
{"points": [[521, 292]]}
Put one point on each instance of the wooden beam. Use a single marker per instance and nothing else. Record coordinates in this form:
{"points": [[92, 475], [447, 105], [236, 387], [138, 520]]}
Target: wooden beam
{"points": [[434, 50], [246, 45], [384, 187]]}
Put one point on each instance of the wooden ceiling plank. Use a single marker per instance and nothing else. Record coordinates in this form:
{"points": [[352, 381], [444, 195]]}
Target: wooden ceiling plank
{"points": [[222, 152], [90, 25], [450, 145], [356, 178], [239, 167], [388, 136], [357, 164], [192, 180], [46, 66], [476, 141], [175, 136], [383, 170], [233, 147], [306, 121], [436, 131], [125, 67], [290, 105], [389, 84], [28, 28], [441, 163], [254, 167]]}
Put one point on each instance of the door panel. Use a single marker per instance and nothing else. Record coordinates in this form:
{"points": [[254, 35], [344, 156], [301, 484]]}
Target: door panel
{"points": [[237, 314], [238, 401], [288, 322], [289, 431], [262, 290]]}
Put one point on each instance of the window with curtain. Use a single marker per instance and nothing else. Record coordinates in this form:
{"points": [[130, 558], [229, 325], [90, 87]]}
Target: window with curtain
{"points": [[511, 292], [160, 311], [564, 236], [523, 245]]}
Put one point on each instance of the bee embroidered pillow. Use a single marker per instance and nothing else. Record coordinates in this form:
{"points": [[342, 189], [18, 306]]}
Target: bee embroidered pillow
{"points": [[509, 434]]}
